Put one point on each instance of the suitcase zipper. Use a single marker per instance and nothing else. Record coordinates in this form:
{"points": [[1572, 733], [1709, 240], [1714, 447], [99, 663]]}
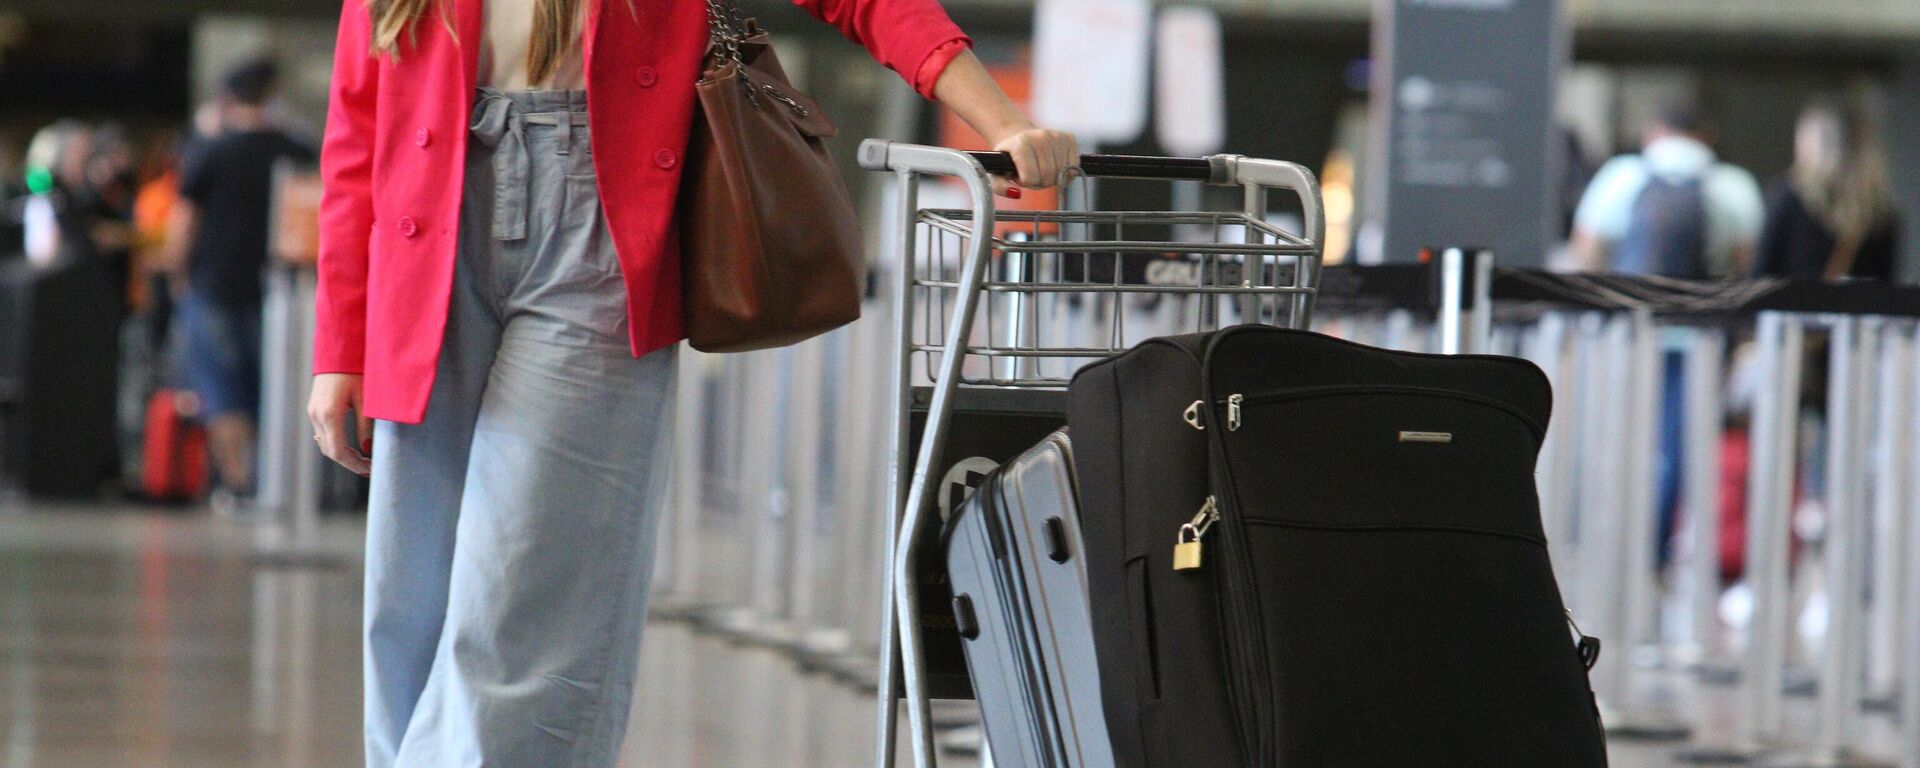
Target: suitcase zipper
{"points": [[1192, 414], [1241, 615], [1239, 609], [1249, 685], [1235, 403]]}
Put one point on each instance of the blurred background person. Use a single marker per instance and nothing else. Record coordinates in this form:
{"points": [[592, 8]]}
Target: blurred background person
{"points": [[12, 191], [1832, 217], [104, 202], [153, 224], [1673, 210], [221, 237], [48, 218]]}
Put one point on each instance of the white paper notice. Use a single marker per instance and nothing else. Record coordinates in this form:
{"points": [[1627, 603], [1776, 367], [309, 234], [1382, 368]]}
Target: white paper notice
{"points": [[1090, 67], [1189, 90]]}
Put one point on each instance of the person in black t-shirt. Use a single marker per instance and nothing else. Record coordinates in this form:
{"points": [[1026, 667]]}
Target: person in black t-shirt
{"points": [[1832, 217], [226, 185]]}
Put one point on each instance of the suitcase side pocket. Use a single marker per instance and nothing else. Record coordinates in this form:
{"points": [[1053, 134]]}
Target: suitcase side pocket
{"points": [[1140, 603]]}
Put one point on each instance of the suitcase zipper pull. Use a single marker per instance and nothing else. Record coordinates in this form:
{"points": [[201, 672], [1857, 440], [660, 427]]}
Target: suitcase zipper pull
{"points": [[1187, 544], [1588, 646], [1233, 412]]}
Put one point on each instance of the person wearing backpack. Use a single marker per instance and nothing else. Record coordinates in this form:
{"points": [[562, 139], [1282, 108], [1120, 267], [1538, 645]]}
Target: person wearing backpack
{"points": [[1672, 210]]}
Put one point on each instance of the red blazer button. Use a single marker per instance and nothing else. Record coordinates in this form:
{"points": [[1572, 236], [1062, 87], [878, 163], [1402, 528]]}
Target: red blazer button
{"points": [[423, 137], [665, 159], [646, 76], [408, 227]]}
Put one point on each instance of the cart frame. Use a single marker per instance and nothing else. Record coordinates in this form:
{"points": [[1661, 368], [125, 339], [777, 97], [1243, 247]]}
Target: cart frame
{"points": [[1284, 277]]}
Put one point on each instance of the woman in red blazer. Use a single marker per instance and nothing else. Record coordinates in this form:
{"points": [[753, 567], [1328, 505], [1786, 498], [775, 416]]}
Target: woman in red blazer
{"points": [[499, 289]]}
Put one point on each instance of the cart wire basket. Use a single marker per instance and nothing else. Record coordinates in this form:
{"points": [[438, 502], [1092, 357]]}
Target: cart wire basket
{"points": [[1013, 300]]}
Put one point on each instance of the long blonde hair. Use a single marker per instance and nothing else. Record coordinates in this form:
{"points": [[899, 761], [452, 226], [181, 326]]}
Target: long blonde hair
{"points": [[1845, 184], [555, 29]]}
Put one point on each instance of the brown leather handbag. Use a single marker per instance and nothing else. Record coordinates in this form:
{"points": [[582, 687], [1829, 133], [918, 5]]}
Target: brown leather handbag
{"points": [[771, 252]]}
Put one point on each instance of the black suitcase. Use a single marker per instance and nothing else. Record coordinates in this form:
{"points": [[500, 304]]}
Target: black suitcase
{"points": [[1373, 587], [59, 350]]}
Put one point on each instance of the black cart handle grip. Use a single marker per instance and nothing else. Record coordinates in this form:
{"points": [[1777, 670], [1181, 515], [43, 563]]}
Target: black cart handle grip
{"points": [[1115, 166]]}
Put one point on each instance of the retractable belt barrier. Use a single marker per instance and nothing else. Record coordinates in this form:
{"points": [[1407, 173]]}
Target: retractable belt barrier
{"points": [[779, 533]]}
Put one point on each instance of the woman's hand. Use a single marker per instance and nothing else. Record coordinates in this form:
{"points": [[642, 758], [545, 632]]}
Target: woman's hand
{"points": [[333, 395], [1043, 158]]}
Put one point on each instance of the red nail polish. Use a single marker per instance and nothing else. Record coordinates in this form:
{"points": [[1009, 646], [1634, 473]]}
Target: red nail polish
{"points": [[1013, 193]]}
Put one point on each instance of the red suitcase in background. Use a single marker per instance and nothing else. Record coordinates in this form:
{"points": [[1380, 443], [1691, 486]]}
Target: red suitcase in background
{"points": [[175, 448]]}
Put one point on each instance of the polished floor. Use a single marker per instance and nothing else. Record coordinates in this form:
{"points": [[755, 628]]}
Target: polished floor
{"points": [[134, 639]]}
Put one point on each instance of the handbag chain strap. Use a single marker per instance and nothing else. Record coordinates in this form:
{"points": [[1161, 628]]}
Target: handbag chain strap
{"points": [[727, 31]]}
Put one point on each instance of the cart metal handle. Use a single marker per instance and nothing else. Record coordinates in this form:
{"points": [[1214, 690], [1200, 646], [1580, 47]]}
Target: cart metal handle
{"points": [[1120, 166], [1229, 170]]}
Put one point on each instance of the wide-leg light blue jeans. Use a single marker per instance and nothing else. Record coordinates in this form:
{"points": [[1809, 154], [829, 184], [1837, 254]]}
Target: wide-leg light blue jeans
{"points": [[510, 537]]}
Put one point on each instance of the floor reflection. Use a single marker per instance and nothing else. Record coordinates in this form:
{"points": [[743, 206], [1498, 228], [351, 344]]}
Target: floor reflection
{"points": [[141, 640]]}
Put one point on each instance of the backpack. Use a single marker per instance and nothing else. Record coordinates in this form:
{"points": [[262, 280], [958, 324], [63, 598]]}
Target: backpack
{"points": [[1667, 232]]}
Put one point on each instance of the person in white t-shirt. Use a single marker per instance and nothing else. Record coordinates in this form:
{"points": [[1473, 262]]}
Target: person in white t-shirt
{"points": [[1676, 175]]}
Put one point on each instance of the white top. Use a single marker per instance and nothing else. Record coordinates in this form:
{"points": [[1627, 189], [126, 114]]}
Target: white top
{"points": [[1735, 208], [503, 52]]}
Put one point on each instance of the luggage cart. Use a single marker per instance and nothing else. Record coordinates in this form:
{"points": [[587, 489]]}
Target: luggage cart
{"points": [[1057, 290]]}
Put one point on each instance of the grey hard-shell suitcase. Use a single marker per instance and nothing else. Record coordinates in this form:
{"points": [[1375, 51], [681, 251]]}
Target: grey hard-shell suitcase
{"points": [[1020, 600]]}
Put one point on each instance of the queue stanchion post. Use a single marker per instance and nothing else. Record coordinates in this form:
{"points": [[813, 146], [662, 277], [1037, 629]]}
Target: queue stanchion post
{"points": [[1908, 705], [1637, 602], [815, 585], [1706, 348], [678, 564], [288, 514], [1840, 661], [279, 444], [767, 618], [1588, 519], [1479, 330], [1770, 483], [1464, 319], [1546, 345], [306, 500], [728, 527], [1892, 498], [859, 484], [281, 450], [1451, 317], [290, 476], [1606, 501]]}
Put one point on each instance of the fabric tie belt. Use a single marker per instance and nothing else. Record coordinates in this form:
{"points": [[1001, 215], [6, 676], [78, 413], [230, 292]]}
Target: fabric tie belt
{"points": [[499, 123]]}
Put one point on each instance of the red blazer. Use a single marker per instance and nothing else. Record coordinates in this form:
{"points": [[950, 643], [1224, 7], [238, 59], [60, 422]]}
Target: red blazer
{"points": [[397, 133]]}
